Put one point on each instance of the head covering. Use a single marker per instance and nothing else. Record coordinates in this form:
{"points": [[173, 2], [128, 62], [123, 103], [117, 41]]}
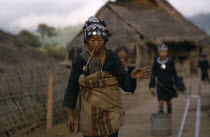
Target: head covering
{"points": [[162, 47], [94, 26]]}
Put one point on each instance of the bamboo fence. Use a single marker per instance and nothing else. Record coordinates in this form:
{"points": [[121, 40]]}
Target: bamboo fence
{"points": [[23, 101]]}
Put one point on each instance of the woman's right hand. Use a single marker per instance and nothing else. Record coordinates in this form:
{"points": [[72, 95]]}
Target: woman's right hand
{"points": [[70, 122], [140, 73]]}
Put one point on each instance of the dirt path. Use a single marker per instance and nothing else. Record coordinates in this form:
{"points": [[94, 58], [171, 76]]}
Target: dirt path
{"points": [[141, 105]]}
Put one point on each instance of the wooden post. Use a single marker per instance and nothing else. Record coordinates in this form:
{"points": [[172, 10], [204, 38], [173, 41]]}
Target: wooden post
{"points": [[190, 90], [50, 99], [199, 90]]}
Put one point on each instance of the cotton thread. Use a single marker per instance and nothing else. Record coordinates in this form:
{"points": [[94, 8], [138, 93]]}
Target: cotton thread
{"points": [[162, 85]]}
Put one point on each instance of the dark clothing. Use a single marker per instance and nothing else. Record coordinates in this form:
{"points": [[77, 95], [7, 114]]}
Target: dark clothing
{"points": [[204, 66], [133, 81], [181, 85], [167, 79], [204, 76], [112, 65], [112, 135]]}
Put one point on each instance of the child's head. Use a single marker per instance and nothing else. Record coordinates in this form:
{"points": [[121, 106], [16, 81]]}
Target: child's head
{"points": [[123, 54]]}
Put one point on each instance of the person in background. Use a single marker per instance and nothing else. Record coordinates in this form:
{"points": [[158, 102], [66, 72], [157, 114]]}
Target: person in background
{"points": [[203, 64], [164, 77], [124, 56]]}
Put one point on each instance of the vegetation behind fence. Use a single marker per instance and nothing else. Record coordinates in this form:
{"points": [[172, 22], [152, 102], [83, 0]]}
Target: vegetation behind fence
{"points": [[23, 101]]}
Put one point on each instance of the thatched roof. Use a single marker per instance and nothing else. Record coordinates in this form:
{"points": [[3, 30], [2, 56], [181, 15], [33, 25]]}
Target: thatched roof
{"points": [[16, 56], [147, 21], [205, 42], [205, 46]]}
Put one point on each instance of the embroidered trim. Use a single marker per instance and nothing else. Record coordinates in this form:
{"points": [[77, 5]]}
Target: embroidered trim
{"points": [[162, 62], [94, 26]]}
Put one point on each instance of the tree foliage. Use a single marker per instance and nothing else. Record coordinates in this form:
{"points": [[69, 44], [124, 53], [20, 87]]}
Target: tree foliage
{"points": [[46, 30], [50, 40], [57, 52], [29, 38]]}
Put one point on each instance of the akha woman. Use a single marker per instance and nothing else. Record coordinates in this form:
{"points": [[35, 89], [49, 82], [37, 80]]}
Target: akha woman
{"points": [[97, 75]]}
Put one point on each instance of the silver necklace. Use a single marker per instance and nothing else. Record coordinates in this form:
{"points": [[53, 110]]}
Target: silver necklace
{"points": [[163, 66]]}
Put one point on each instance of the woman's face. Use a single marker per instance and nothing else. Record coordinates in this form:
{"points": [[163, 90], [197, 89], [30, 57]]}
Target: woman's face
{"points": [[123, 57], [96, 43]]}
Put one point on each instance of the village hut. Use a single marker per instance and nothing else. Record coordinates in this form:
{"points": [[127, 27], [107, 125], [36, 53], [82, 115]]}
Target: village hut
{"points": [[206, 46], [141, 26]]}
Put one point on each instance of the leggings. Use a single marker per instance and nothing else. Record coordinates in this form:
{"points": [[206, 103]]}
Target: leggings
{"points": [[205, 76], [112, 135]]}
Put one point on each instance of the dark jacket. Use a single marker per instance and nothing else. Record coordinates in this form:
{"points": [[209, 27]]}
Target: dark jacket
{"points": [[167, 79], [112, 65], [203, 65]]}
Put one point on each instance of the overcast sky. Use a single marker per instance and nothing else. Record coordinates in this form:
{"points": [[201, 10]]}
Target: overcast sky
{"points": [[19, 14]]}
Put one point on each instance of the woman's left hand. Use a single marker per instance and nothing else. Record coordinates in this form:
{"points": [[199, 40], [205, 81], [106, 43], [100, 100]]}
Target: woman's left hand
{"points": [[140, 73]]}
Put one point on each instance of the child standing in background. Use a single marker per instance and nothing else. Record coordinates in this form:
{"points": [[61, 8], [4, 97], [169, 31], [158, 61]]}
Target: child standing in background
{"points": [[164, 77]]}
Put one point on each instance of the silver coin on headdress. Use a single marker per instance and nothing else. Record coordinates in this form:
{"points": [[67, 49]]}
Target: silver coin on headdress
{"points": [[99, 33], [94, 32], [103, 33], [87, 29], [89, 33], [163, 66], [93, 27]]}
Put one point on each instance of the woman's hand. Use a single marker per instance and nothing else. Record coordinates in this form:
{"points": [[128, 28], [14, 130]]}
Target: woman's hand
{"points": [[140, 73], [70, 122]]}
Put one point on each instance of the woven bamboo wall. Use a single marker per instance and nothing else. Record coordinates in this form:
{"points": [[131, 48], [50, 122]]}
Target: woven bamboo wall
{"points": [[23, 98]]}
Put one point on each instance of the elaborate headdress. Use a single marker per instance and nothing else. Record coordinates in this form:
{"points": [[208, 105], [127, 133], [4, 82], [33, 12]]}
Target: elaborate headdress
{"points": [[94, 26]]}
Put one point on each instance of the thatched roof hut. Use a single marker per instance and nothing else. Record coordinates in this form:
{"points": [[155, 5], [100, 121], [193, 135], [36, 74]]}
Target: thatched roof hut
{"points": [[206, 46], [142, 25], [16, 56], [205, 42]]}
